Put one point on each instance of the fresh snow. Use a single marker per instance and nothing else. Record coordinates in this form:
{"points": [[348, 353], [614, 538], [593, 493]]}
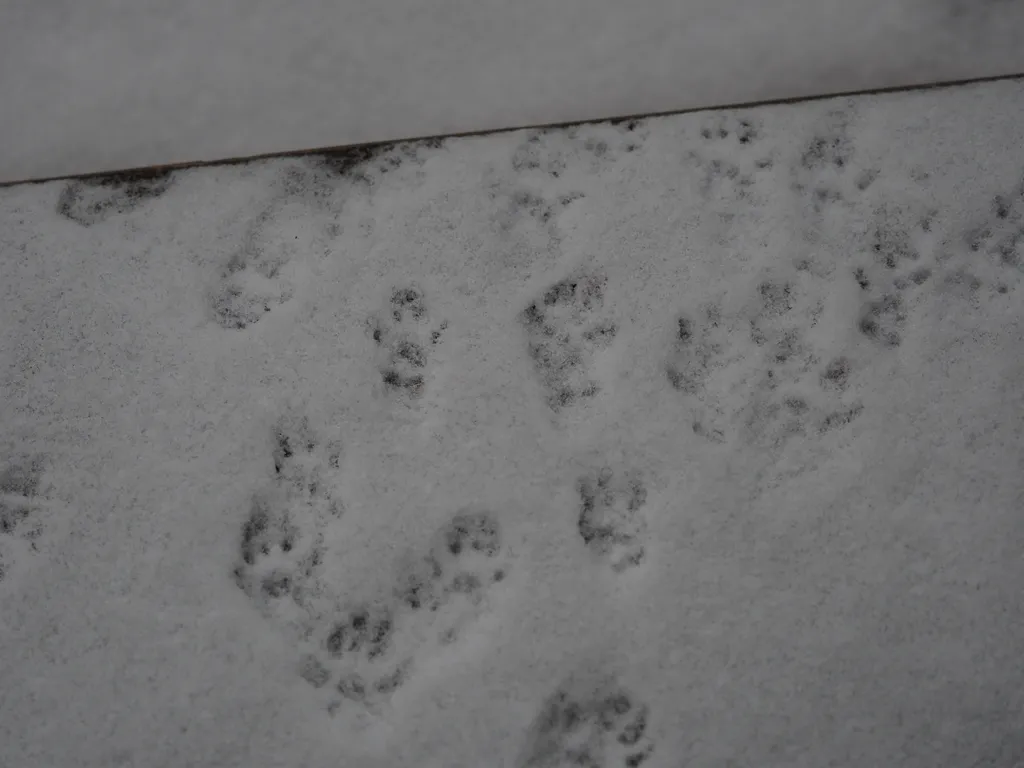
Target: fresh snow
{"points": [[689, 441], [103, 85]]}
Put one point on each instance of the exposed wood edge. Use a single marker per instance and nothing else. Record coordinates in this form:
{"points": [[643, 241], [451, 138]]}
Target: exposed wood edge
{"points": [[150, 171]]}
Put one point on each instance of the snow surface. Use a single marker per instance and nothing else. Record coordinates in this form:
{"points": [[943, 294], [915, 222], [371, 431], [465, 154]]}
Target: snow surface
{"points": [[690, 441], [102, 85]]}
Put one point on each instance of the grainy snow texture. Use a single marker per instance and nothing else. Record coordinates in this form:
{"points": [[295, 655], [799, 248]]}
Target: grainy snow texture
{"points": [[103, 85], [691, 441]]}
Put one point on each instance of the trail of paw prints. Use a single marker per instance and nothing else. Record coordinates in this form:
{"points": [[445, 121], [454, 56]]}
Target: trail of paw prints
{"points": [[697, 351], [730, 157], [281, 548], [602, 725], [440, 596], [264, 273], [612, 518], [566, 329], [20, 512], [91, 201], [405, 334]]}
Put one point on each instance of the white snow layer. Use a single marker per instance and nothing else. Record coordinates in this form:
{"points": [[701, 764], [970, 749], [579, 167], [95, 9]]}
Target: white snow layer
{"points": [[687, 441], [100, 85]]}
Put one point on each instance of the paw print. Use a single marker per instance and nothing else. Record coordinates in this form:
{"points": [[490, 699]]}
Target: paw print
{"points": [[566, 330], [612, 521], [602, 726], [405, 336], [21, 523], [88, 202]]}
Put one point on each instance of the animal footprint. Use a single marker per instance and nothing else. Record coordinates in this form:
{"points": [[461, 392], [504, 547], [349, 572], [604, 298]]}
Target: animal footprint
{"points": [[697, 351], [439, 596], [825, 172], [726, 169], [1001, 236], [524, 202], [281, 546], [742, 130], [882, 320], [602, 725], [405, 334], [566, 331], [467, 560], [91, 201], [611, 519], [265, 272], [20, 505], [361, 659], [537, 154]]}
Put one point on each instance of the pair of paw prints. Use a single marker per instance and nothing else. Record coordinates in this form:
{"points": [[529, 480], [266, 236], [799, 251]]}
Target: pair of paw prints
{"points": [[405, 334], [596, 725], [20, 520], [612, 519], [281, 548], [374, 648], [566, 330], [91, 201]]}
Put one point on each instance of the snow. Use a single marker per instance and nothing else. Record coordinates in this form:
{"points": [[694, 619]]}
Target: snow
{"points": [[104, 85], [695, 440]]}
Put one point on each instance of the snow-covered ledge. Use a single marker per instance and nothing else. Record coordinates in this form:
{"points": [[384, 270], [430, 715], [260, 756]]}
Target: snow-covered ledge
{"points": [[693, 440]]}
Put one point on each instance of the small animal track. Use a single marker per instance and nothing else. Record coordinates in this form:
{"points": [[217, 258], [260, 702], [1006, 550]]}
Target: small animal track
{"points": [[91, 201], [357, 653], [696, 352], [1001, 236], [891, 241], [554, 153], [743, 130], [825, 174], [591, 724], [263, 274], [438, 597], [797, 390], [882, 320], [729, 157], [522, 202], [20, 523], [536, 154], [281, 547], [566, 330], [612, 520], [405, 334]]}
